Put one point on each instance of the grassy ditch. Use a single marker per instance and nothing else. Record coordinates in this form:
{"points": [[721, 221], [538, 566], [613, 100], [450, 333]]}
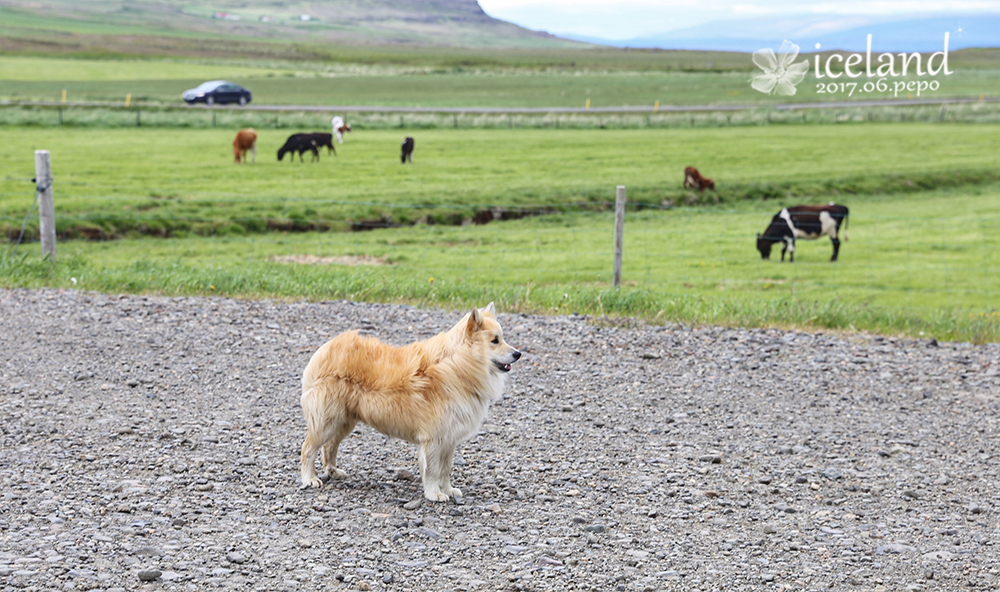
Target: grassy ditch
{"points": [[178, 183]]}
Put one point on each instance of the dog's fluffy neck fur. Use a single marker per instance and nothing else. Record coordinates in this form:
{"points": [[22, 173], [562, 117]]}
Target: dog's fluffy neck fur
{"points": [[464, 364]]}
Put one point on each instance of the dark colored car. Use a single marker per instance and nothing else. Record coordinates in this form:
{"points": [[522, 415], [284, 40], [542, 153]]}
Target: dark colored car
{"points": [[217, 91]]}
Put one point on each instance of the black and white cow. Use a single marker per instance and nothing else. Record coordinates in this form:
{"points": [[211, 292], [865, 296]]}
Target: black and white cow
{"points": [[809, 222]]}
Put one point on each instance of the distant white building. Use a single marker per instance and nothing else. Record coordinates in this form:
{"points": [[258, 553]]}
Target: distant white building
{"points": [[266, 19], [227, 16], [305, 17]]}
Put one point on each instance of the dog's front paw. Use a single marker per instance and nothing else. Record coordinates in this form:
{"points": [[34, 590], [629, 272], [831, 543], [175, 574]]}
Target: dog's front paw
{"points": [[332, 473], [313, 481], [436, 496], [453, 492]]}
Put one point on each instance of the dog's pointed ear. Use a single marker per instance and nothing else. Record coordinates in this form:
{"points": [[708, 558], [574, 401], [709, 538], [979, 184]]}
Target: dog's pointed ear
{"points": [[475, 321], [490, 309]]}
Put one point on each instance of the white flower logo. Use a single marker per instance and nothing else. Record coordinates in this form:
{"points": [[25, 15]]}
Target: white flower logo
{"points": [[779, 74]]}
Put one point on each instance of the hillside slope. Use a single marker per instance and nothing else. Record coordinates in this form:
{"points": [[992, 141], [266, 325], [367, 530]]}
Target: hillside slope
{"points": [[107, 24]]}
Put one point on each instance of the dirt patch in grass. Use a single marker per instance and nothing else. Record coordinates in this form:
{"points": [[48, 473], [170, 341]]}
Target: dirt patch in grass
{"points": [[351, 260]]}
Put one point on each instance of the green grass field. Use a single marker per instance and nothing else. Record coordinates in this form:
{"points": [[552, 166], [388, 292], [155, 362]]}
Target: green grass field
{"points": [[286, 121], [45, 69], [290, 83], [919, 259], [920, 265], [184, 181]]}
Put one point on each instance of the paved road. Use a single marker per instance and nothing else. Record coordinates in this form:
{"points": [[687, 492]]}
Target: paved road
{"points": [[537, 110]]}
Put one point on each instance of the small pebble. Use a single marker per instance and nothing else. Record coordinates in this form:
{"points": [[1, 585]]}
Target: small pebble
{"points": [[149, 575]]}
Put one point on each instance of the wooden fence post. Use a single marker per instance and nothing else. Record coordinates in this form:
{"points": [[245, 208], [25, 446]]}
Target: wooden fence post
{"points": [[46, 208], [616, 279]]}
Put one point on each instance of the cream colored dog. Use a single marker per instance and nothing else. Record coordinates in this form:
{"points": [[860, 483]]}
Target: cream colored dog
{"points": [[433, 393]]}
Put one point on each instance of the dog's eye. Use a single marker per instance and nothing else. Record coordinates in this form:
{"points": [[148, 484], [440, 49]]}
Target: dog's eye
{"points": [[495, 341]]}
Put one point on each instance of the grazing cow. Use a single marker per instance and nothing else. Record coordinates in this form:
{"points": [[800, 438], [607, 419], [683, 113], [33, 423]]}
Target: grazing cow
{"points": [[407, 153], [299, 143], [323, 140], [694, 180], [339, 127], [246, 139], [808, 222]]}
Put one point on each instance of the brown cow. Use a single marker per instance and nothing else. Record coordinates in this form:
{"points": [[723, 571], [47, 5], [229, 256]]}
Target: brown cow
{"points": [[245, 140], [694, 180]]}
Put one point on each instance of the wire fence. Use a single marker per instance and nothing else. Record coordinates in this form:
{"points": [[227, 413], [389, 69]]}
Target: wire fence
{"points": [[890, 260], [183, 117]]}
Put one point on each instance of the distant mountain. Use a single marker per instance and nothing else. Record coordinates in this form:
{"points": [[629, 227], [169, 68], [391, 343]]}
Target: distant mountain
{"points": [[442, 23], [831, 32]]}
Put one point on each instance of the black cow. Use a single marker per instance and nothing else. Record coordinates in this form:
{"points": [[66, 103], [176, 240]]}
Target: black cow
{"points": [[407, 153], [323, 140], [299, 143], [808, 222]]}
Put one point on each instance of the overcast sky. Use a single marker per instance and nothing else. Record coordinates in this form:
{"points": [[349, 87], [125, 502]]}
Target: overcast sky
{"points": [[625, 19]]}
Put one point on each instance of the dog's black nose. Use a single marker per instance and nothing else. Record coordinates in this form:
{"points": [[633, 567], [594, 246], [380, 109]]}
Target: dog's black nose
{"points": [[517, 355]]}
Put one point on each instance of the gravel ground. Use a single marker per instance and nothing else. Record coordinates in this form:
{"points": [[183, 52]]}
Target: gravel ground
{"points": [[152, 444]]}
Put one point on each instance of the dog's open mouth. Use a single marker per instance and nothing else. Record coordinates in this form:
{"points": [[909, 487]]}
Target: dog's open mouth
{"points": [[502, 367]]}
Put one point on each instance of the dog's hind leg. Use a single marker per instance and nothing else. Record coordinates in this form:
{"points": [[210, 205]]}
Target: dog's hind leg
{"points": [[435, 468], [340, 431], [310, 447], [318, 431]]}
